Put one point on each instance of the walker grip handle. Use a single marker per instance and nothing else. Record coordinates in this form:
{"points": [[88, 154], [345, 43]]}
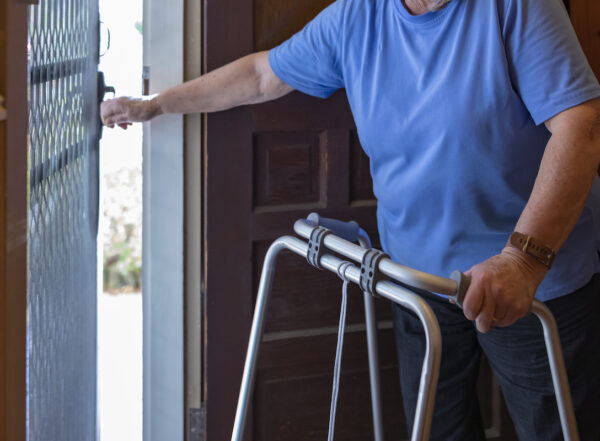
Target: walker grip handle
{"points": [[462, 281], [346, 230]]}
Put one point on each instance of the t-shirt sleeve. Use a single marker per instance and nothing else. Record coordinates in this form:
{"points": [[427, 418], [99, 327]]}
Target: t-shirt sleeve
{"points": [[310, 60], [546, 62]]}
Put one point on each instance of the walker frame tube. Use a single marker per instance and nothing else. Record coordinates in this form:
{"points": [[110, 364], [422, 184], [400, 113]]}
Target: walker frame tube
{"points": [[404, 297], [433, 350], [374, 375], [449, 287], [559, 372], [352, 232], [373, 352], [401, 273]]}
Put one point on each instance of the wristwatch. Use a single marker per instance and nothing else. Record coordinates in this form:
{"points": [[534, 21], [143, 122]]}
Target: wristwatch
{"points": [[529, 245]]}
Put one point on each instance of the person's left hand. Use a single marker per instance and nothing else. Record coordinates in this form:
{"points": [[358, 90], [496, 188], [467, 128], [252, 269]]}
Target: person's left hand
{"points": [[125, 110], [502, 288]]}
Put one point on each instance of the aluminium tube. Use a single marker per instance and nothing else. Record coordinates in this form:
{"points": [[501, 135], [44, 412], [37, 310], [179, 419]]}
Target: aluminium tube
{"points": [[264, 290], [433, 338], [433, 350], [373, 349], [433, 354], [559, 372], [401, 273], [449, 287]]}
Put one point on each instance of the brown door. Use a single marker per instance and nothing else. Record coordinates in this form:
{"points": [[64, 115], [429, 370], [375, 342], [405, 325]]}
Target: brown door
{"points": [[13, 220], [264, 167], [585, 15], [267, 166]]}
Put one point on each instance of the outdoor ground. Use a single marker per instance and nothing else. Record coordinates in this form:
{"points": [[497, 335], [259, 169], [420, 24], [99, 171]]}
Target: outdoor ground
{"points": [[120, 366]]}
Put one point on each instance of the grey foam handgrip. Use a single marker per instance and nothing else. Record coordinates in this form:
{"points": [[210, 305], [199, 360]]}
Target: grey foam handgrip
{"points": [[462, 281], [345, 230]]}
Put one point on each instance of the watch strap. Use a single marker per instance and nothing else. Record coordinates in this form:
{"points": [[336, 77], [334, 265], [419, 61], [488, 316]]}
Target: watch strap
{"points": [[529, 245]]}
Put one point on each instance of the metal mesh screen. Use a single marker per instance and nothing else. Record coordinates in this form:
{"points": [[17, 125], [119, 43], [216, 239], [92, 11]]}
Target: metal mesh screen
{"points": [[63, 186]]}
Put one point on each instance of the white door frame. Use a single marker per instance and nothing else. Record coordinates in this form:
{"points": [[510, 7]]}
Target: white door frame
{"points": [[163, 211]]}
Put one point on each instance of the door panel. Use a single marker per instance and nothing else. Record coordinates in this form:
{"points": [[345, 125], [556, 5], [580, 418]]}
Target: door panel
{"points": [[276, 21], [265, 167], [63, 210], [585, 15], [13, 221], [293, 392]]}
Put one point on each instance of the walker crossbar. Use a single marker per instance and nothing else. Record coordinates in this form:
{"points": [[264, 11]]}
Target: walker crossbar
{"points": [[408, 299], [401, 273], [389, 290]]}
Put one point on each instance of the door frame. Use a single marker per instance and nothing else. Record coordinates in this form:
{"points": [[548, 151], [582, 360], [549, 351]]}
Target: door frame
{"points": [[162, 237], [13, 221], [193, 244]]}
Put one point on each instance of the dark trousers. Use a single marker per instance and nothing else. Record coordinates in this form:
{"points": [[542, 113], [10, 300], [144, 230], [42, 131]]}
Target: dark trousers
{"points": [[517, 354]]}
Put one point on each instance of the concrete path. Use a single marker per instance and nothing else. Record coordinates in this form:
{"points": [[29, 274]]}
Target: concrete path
{"points": [[120, 366]]}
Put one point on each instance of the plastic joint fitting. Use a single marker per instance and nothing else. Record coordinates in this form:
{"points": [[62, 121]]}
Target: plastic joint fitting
{"points": [[316, 247], [369, 270]]}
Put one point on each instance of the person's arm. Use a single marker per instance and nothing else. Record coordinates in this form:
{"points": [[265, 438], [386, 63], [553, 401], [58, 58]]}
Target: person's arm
{"points": [[248, 80], [503, 286]]}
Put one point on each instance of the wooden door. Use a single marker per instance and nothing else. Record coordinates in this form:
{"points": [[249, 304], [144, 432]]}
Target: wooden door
{"points": [[13, 220], [585, 15], [265, 167]]}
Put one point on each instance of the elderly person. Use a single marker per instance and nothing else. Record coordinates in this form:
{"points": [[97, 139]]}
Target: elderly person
{"points": [[481, 119]]}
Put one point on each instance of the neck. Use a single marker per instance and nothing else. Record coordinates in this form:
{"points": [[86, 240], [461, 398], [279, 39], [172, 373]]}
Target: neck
{"points": [[418, 7]]}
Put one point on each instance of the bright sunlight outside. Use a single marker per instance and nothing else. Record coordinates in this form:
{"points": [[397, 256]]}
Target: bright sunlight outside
{"points": [[120, 237]]}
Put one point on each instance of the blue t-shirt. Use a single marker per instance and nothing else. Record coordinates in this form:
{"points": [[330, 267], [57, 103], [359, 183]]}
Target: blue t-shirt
{"points": [[449, 107]]}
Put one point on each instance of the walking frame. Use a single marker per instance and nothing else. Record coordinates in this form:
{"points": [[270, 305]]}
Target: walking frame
{"points": [[374, 266]]}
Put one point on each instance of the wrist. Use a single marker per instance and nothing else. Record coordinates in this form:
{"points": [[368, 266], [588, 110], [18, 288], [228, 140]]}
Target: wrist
{"points": [[532, 247], [155, 105], [527, 261]]}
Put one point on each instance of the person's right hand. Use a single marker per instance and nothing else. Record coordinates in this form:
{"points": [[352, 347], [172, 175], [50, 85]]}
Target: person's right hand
{"points": [[123, 111]]}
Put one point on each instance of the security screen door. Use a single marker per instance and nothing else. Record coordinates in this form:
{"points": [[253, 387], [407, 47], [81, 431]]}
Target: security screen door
{"points": [[63, 213]]}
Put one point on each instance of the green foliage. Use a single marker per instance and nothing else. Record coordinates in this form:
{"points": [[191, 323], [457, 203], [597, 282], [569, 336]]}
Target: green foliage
{"points": [[123, 269], [122, 231]]}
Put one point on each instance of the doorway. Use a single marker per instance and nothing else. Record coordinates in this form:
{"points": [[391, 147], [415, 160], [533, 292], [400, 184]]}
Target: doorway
{"points": [[120, 232]]}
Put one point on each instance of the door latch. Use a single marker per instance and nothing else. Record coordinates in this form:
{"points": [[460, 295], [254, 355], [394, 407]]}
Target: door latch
{"points": [[102, 90], [3, 114]]}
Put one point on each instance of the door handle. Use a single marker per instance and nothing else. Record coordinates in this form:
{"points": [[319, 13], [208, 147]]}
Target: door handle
{"points": [[103, 89]]}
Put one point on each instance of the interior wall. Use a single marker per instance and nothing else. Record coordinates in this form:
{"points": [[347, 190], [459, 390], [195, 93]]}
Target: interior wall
{"points": [[13, 219]]}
